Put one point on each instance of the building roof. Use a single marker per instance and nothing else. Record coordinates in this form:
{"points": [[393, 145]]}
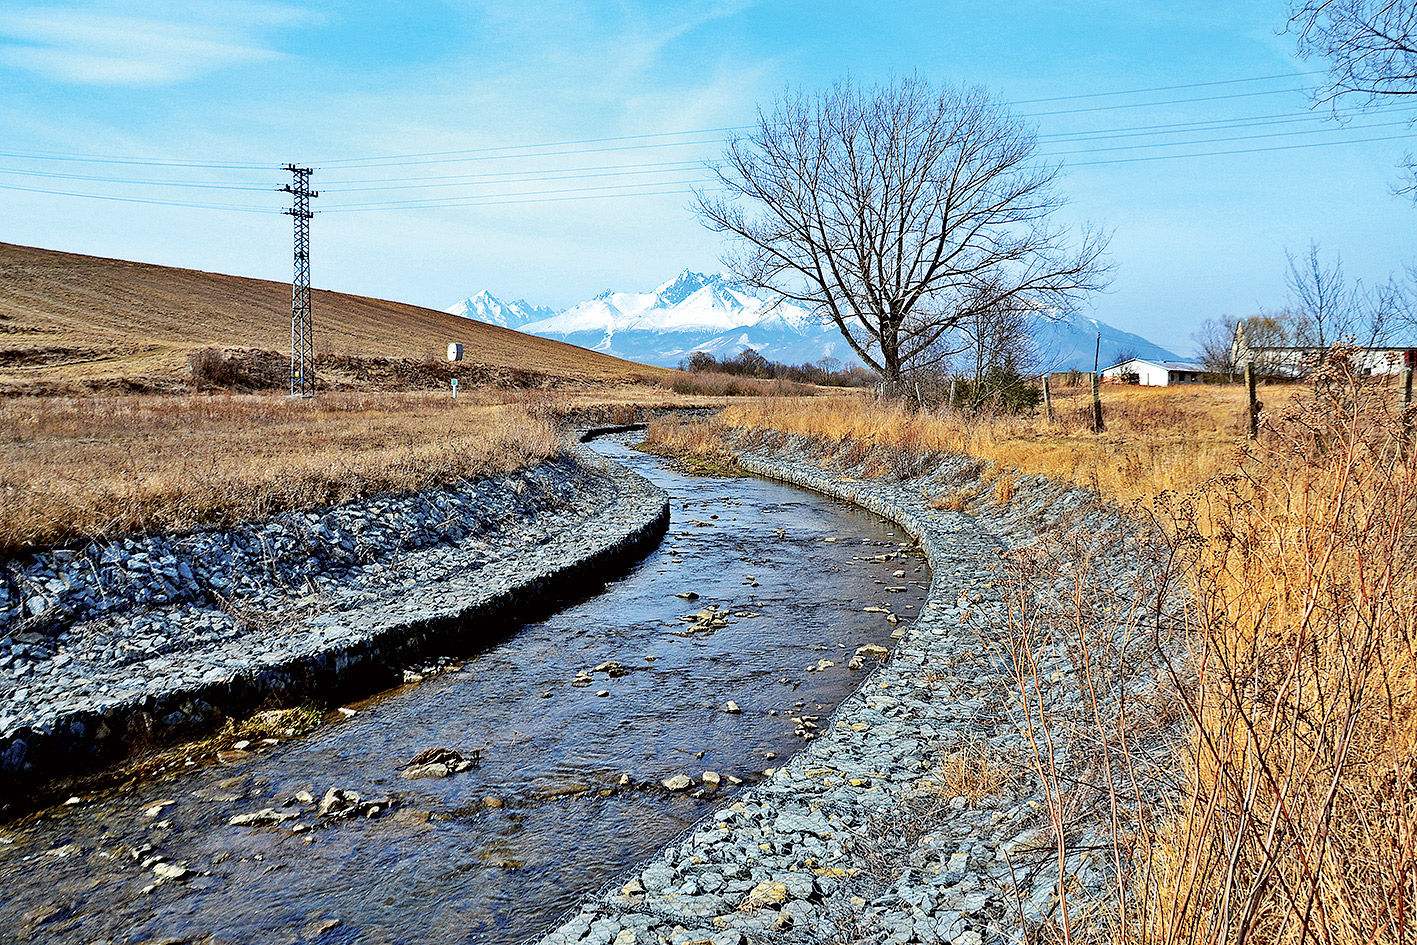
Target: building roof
{"points": [[1168, 365], [1396, 349]]}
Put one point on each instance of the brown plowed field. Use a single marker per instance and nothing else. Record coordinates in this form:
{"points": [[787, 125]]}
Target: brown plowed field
{"points": [[72, 323]]}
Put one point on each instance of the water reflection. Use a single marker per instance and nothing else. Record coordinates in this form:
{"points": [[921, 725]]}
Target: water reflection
{"points": [[568, 794]]}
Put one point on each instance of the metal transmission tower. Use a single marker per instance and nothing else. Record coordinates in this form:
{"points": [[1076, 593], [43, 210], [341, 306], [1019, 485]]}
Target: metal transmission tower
{"points": [[302, 340]]}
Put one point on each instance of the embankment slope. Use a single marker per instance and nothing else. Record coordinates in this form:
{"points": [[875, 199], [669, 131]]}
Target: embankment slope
{"points": [[70, 322]]}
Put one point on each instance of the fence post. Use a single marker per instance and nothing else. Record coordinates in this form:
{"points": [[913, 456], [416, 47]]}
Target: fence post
{"points": [[1097, 387], [1047, 399], [1097, 426], [954, 381], [1254, 401], [1406, 411]]}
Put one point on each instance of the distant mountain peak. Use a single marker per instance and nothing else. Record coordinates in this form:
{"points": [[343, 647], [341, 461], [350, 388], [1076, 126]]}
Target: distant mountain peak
{"points": [[486, 307], [677, 318], [684, 285]]}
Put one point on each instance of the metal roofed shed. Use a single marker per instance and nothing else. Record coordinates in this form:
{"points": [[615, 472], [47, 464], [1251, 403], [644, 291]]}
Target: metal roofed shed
{"points": [[1148, 373]]}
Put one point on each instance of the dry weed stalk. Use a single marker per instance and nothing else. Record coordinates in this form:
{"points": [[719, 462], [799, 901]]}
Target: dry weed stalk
{"points": [[1079, 643], [1301, 805]]}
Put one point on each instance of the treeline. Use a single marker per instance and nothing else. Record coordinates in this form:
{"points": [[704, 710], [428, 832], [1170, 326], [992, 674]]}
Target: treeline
{"points": [[828, 372]]}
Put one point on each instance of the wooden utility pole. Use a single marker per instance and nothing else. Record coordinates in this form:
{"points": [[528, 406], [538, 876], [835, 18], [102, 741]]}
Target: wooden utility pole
{"points": [[1047, 399], [1097, 387], [1255, 404]]}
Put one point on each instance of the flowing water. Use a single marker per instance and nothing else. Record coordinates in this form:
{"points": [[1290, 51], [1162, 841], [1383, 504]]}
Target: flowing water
{"points": [[499, 852]]}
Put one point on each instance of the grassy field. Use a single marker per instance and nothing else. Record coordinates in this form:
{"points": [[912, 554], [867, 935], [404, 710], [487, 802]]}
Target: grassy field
{"points": [[73, 468], [77, 324], [1157, 440], [136, 397], [1297, 816]]}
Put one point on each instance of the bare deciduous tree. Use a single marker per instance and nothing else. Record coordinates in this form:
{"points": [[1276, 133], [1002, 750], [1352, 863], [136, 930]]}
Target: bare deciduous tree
{"points": [[1371, 48], [898, 212], [1371, 45], [1219, 354], [1326, 309]]}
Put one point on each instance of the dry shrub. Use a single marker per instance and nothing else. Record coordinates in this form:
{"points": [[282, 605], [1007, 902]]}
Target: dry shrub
{"points": [[1157, 439], [700, 444], [1300, 816], [1079, 642], [952, 501], [211, 368], [730, 385], [1004, 488], [1291, 813], [972, 772]]}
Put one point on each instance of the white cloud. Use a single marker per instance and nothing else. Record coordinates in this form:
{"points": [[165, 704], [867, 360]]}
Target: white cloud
{"points": [[88, 47]]}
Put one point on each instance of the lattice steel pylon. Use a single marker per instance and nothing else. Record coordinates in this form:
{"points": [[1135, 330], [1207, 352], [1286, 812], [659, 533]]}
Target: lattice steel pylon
{"points": [[302, 339]]}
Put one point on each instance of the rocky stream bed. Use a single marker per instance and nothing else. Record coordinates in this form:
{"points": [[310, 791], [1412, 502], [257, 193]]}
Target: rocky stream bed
{"points": [[478, 804]]}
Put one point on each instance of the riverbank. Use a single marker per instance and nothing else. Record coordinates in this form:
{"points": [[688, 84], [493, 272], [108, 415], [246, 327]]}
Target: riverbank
{"points": [[942, 802], [121, 646]]}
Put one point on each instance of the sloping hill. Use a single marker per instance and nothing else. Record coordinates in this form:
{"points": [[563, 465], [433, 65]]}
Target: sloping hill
{"points": [[70, 323]]}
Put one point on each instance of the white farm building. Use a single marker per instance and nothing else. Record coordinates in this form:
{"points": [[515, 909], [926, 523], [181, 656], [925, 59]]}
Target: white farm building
{"points": [[1150, 373]]}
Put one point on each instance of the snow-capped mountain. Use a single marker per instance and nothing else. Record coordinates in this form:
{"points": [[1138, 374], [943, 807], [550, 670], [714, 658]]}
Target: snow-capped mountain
{"points": [[484, 307], [697, 312], [1069, 343]]}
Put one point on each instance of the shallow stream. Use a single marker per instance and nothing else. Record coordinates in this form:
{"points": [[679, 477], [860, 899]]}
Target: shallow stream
{"points": [[568, 795]]}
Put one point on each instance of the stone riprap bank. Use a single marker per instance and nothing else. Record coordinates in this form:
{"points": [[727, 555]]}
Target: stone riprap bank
{"points": [[856, 837], [116, 645]]}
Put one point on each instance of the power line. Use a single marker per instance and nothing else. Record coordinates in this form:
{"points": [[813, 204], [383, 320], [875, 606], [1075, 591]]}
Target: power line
{"points": [[1289, 147], [556, 170], [499, 202], [137, 162], [397, 158], [195, 185], [160, 203], [441, 201], [552, 196], [1174, 101], [467, 180], [1166, 88], [1142, 131], [1274, 134], [547, 144]]}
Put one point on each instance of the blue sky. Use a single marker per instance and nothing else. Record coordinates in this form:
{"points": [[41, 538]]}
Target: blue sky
{"points": [[199, 97]]}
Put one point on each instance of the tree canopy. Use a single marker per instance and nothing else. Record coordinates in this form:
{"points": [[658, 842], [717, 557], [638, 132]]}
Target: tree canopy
{"points": [[899, 212]]}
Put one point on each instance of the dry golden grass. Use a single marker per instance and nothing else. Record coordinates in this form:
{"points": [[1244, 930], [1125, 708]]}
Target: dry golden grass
{"points": [[1157, 439], [72, 323], [1300, 818], [970, 772], [1297, 819], [80, 467]]}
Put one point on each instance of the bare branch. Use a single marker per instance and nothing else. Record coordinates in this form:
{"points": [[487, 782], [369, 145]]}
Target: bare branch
{"points": [[897, 212]]}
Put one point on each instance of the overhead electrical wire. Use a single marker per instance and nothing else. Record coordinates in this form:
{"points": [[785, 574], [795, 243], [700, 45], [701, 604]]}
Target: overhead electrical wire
{"points": [[495, 201], [146, 200], [1286, 147], [1184, 132], [438, 201], [1167, 88], [195, 185], [1272, 134], [356, 162]]}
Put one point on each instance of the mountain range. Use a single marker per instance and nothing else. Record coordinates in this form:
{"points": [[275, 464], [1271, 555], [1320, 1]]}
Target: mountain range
{"points": [[697, 312]]}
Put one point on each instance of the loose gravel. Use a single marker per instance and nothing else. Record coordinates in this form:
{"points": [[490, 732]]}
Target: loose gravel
{"points": [[862, 836], [110, 646]]}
